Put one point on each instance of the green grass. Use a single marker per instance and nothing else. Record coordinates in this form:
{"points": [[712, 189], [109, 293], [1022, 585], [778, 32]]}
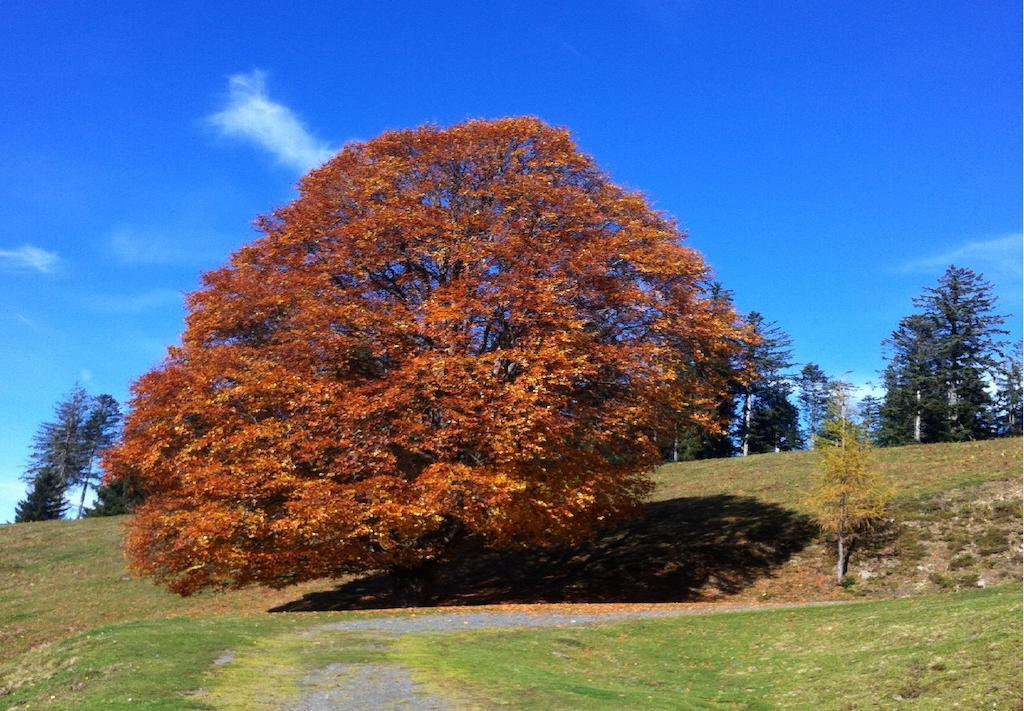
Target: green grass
{"points": [[928, 652], [915, 471], [62, 577], [147, 665]]}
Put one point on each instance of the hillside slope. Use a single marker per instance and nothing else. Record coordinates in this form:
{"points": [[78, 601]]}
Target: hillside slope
{"points": [[716, 528]]}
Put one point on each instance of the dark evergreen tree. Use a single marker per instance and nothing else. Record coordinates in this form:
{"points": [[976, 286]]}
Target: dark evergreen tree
{"points": [[65, 451], [940, 361], [115, 499], [912, 408], [774, 420], [766, 360], [814, 389], [45, 498]]}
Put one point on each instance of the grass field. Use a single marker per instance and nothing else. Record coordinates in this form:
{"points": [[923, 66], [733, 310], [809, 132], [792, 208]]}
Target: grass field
{"points": [[713, 523], [942, 651], [914, 471], [62, 577]]}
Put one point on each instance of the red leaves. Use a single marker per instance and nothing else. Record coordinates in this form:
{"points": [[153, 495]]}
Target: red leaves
{"points": [[466, 330]]}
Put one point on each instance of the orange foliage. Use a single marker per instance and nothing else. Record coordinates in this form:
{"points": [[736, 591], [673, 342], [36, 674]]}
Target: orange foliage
{"points": [[450, 333]]}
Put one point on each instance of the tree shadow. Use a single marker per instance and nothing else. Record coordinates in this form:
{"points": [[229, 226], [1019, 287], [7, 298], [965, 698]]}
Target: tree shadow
{"points": [[680, 550]]}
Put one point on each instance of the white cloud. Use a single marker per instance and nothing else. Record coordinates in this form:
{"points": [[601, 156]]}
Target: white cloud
{"points": [[252, 116], [1000, 255], [29, 257], [132, 246], [135, 303]]}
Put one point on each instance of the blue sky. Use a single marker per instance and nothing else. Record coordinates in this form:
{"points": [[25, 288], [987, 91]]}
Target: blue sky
{"points": [[829, 159]]}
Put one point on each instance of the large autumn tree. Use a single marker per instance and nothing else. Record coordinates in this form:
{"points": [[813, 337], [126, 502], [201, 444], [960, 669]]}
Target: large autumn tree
{"points": [[450, 333]]}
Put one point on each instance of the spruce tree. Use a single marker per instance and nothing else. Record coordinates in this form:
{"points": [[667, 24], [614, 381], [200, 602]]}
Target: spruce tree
{"points": [[767, 394], [57, 459], [940, 361], [45, 498], [774, 420], [960, 310], [869, 409]]}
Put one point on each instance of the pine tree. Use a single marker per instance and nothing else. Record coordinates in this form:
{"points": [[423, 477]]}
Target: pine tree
{"points": [[45, 498], [60, 445], [774, 420], [814, 395], [912, 409], [767, 420], [940, 360], [960, 310]]}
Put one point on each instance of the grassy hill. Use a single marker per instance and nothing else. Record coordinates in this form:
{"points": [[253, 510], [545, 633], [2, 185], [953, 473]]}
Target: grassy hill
{"points": [[716, 529], [915, 472]]}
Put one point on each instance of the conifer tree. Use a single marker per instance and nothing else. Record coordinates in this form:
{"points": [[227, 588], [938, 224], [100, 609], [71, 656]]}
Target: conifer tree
{"points": [[848, 495], [45, 498], [115, 498], [767, 420], [940, 361]]}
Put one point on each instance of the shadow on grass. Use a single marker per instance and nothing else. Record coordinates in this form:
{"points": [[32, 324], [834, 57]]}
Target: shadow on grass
{"points": [[677, 550]]}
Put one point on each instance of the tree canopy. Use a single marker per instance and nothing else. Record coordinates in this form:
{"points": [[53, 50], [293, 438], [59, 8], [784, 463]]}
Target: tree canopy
{"points": [[450, 333]]}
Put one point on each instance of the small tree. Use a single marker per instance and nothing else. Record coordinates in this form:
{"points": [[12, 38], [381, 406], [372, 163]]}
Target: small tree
{"points": [[45, 498], [848, 495]]}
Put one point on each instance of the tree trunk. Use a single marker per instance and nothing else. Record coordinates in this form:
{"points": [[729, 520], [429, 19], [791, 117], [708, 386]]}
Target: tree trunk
{"points": [[414, 586], [746, 424], [675, 447], [843, 559], [917, 419], [81, 501]]}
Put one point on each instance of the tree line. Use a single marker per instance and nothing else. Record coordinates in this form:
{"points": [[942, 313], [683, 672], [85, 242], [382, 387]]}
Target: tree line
{"points": [[949, 377]]}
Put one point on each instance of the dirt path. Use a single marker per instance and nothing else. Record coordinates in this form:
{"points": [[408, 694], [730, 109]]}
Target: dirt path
{"points": [[357, 686]]}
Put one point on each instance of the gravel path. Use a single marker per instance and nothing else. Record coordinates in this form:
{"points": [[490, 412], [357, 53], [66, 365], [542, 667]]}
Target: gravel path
{"points": [[355, 687]]}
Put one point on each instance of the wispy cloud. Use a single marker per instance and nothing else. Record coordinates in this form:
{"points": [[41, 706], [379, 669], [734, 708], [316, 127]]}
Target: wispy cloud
{"points": [[134, 303], [142, 247], [29, 257], [253, 116], [999, 256]]}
